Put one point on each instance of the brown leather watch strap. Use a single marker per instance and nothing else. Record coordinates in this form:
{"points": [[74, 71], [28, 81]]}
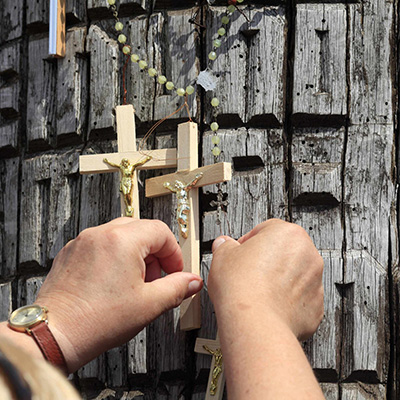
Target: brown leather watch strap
{"points": [[49, 346]]}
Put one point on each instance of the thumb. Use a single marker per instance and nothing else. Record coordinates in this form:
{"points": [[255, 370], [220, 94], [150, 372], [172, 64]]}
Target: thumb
{"points": [[169, 292], [227, 243]]}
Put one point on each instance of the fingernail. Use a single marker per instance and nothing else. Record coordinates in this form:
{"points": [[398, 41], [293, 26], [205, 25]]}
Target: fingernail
{"points": [[217, 243], [194, 287]]}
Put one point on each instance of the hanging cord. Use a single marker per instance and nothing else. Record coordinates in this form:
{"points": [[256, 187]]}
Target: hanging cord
{"points": [[124, 80], [157, 124]]}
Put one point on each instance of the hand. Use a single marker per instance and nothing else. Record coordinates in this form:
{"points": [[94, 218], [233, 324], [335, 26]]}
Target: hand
{"points": [[274, 268], [105, 286]]}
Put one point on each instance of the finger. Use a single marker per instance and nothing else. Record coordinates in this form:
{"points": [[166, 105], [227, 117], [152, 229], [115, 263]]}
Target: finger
{"points": [[153, 237], [153, 269], [256, 230], [169, 292], [223, 243]]}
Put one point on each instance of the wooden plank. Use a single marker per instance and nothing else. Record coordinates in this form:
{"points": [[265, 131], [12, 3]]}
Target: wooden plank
{"points": [[211, 174], [371, 66], [75, 10], [11, 17], [257, 189], [5, 301], [10, 82], [9, 178], [330, 391], [369, 198], [319, 90], [243, 50], [9, 139], [33, 286], [188, 158], [37, 15], [137, 354], [181, 63], [48, 217], [41, 109], [363, 391], [72, 89], [104, 79], [163, 158]]}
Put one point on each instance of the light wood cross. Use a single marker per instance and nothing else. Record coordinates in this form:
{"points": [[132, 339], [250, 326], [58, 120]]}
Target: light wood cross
{"points": [[126, 134], [57, 34], [188, 170], [216, 379]]}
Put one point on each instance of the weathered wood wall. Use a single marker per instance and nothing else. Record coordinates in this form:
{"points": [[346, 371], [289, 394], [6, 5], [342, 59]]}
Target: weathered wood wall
{"points": [[309, 120]]}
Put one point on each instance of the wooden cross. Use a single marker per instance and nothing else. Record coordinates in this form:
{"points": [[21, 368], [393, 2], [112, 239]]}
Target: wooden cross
{"points": [[190, 317], [126, 133], [57, 28], [216, 379]]}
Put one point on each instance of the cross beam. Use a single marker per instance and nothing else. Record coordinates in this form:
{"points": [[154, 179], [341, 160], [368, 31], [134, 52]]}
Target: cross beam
{"points": [[216, 379], [190, 245], [126, 135]]}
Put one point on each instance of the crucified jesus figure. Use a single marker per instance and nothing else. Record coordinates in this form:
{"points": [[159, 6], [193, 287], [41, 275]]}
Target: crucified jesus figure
{"points": [[183, 208], [126, 185], [217, 369]]}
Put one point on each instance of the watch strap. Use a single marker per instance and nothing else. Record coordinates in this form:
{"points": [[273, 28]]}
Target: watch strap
{"points": [[49, 346]]}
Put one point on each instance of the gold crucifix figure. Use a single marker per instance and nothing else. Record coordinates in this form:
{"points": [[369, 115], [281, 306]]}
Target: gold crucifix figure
{"points": [[217, 354], [183, 208], [127, 183]]}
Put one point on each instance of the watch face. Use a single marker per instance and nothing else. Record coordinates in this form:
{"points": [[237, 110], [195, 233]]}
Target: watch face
{"points": [[26, 316]]}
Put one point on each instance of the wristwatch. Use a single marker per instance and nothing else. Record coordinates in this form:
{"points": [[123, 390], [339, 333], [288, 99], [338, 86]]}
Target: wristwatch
{"points": [[33, 321]]}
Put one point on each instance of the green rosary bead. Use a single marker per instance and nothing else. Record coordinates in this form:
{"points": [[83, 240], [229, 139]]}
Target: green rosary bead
{"points": [[217, 43], [221, 31], [126, 50], [231, 9], [152, 72], [214, 126], [225, 20], [190, 90], [170, 86], [215, 140], [212, 56], [111, 2], [216, 151], [215, 102], [162, 79], [119, 26], [180, 92], [122, 38], [142, 64], [135, 58]]}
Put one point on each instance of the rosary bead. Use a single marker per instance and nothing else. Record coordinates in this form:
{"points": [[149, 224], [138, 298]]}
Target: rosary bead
{"points": [[215, 102], [225, 20], [212, 56], [162, 79], [181, 92], [169, 85], [190, 90], [152, 72], [217, 43], [215, 140], [119, 26], [231, 8], [216, 151], [142, 64], [214, 126], [122, 38], [135, 58], [111, 2], [221, 31], [126, 50]]}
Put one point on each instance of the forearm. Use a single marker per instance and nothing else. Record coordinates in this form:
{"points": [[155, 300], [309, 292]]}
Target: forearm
{"points": [[263, 358]]}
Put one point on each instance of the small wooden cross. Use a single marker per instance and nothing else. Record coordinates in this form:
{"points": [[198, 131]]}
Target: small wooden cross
{"points": [[188, 172], [219, 203], [216, 379], [57, 34], [126, 133]]}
